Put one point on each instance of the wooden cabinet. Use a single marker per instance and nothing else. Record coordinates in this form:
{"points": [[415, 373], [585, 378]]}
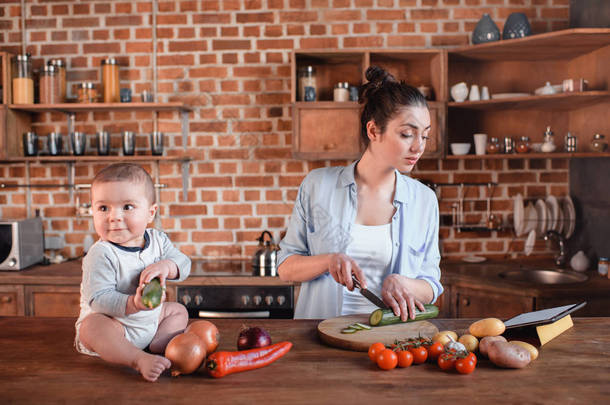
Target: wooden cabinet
{"points": [[11, 300], [325, 129], [474, 303], [52, 301]]}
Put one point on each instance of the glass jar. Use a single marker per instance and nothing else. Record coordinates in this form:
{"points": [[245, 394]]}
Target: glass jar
{"points": [[60, 66], [523, 144], [110, 80], [570, 143], [87, 93], [307, 84], [602, 266], [493, 146], [49, 85], [598, 143], [23, 81], [341, 91]]}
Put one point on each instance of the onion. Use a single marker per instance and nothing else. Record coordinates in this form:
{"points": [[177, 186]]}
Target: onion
{"points": [[208, 332], [186, 351], [251, 338]]}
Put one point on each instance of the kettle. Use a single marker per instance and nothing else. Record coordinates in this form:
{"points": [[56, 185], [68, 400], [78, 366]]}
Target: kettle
{"points": [[264, 262]]}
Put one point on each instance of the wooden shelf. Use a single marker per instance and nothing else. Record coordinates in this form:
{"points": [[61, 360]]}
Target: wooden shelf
{"points": [[532, 155], [562, 101], [94, 107], [565, 44], [96, 158]]}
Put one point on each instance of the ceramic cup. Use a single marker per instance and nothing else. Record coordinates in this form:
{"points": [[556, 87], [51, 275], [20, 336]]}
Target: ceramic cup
{"points": [[484, 93], [459, 92], [474, 94], [480, 143]]}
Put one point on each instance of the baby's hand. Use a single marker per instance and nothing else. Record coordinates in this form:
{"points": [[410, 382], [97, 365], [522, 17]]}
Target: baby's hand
{"points": [[163, 269], [137, 299]]}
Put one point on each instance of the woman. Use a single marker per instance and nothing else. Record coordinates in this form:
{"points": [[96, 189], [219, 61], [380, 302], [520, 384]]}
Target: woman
{"points": [[367, 219]]}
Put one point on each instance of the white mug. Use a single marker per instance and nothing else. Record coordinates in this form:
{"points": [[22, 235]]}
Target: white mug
{"points": [[484, 93], [459, 92], [474, 94], [480, 143]]}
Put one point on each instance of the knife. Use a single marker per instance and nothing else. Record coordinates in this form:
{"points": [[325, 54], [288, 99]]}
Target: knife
{"points": [[369, 295]]}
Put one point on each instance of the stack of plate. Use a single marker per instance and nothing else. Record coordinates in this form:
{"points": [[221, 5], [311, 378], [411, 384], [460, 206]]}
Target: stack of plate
{"points": [[543, 216]]}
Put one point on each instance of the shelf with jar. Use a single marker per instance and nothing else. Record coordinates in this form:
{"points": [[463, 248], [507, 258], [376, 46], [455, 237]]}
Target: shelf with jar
{"points": [[326, 112], [556, 79]]}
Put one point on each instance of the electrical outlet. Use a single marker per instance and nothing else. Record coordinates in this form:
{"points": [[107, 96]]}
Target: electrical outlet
{"points": [[54, 242]]}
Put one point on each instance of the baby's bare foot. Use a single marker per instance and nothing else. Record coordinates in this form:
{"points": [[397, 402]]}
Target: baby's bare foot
{"points": [[151, 366]]}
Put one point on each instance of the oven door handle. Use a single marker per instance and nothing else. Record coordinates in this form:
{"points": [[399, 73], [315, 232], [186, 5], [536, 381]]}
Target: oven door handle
{"points": [[219, 314]]}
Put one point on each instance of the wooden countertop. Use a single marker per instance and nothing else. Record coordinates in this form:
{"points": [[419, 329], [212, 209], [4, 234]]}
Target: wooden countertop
{"points": [[39, 364]]}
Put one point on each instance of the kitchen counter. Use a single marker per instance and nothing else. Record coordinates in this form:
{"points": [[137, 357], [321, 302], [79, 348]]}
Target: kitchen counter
{"points": [[39, 364]]}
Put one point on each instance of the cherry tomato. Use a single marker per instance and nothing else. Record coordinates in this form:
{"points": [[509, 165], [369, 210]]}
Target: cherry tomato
{"points": [[405, 358], [387, 359], [446, 361], [465, 365], [420, 354], [435, 350], [472, 356], [374, 351]]}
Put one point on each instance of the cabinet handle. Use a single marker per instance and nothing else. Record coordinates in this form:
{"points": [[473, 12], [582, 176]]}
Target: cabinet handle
{"points": [[330, 146], [6, 299], [465, 302]]}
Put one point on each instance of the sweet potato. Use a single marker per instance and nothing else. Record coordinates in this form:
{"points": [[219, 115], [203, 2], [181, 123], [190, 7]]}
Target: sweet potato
{"points": [[486, 341], [533, 351], [507, 355]]}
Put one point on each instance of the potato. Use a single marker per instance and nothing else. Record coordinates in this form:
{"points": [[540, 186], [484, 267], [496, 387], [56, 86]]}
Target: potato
{"points": [[444, 337], [533, 351], [504, 354], [471, 342], [486, 341], [487, 327]]}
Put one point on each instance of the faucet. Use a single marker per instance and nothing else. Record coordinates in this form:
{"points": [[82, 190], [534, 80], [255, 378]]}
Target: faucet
{"points": [[560, 259]]}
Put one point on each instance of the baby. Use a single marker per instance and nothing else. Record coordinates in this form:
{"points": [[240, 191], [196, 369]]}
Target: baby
{"points": [[114, 323]]}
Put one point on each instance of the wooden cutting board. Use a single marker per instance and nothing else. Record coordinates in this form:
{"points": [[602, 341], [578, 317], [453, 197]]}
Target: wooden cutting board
{"points": [[330, 332]]}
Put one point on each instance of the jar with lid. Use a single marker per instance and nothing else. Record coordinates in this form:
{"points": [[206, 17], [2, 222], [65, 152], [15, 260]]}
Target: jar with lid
{"points": [[48, 85], [307, 83], [493, 146], [60, 66], [87, 92], [602, 266], [570, 143], [523, 144], [23, 80], [341, 91], [110, 80], [598, 143]]}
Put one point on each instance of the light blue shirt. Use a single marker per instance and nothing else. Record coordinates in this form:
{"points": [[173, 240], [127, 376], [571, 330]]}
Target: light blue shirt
{"points": [[324, 212]]}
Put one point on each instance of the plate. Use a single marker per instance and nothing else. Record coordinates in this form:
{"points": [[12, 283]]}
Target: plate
{"points": [[569, 216], [560, 222], [501, 96], [553, 206], [531, 218], [473, 259], [541, 214], [530, 242], [518, 215]]}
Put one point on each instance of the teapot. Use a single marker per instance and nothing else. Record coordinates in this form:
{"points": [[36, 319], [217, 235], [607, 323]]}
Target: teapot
{"points": [[264, 261]]}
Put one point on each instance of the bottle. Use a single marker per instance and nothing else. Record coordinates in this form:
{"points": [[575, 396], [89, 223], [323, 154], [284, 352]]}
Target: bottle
{"points": [[341, 91], [493, 146], [49, 85], [110, 80], [602, 266], [598, 144], [60, 66], [549, 144], [307, 84], [523, 144], [23, 82]]}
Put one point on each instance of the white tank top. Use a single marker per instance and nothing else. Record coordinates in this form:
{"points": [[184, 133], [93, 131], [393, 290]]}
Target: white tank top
{"points": [[371, 248]]}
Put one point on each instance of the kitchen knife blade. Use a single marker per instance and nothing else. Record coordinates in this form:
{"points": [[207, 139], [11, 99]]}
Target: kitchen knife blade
{"points": [[369, 295]]}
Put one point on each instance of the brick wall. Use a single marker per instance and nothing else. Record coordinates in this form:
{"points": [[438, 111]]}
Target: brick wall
{"points": [[230, 60]]}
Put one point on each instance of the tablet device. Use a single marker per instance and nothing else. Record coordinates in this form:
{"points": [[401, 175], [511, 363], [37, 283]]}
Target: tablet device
{"points": [[543, 316]]}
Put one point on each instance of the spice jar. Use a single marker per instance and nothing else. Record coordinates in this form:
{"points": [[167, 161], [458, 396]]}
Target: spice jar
{"points": [[23, 82], [60, 66], [493, 146], [523, 144], [307, 84], [570, 143], [87, 93], [598, 143], [110, 80], [48, 85], [341, 91], [602, 266]]}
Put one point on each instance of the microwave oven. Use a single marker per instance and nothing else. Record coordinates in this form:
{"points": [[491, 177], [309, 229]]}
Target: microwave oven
{"points": [[21, 243]]}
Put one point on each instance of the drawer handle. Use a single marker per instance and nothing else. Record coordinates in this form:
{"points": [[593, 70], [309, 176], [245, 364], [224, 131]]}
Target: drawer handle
{"points": [[465, 302], [330, 146], [6, 299]]}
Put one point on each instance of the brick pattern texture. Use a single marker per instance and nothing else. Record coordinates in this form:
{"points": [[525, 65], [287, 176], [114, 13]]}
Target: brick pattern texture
{"points": [[230, 60]]}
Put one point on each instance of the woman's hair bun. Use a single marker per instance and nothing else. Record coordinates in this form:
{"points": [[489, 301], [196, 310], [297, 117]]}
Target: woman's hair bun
{"points": [[377, 75]]}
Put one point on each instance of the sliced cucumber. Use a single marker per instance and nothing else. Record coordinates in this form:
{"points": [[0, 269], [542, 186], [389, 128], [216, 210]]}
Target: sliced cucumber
{"points": [[355, 326], [362, 326], [349, 330], [382, 317]]}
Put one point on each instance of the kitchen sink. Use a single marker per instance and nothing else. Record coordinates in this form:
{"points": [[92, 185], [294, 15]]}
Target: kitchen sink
{"points": [[544, 276]]}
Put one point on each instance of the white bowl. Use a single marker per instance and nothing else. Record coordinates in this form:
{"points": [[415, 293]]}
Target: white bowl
{"points": [[460, 148]]}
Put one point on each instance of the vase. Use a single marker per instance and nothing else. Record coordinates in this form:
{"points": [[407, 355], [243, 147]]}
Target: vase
{"points": [[516, 26], [485, 31]]}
